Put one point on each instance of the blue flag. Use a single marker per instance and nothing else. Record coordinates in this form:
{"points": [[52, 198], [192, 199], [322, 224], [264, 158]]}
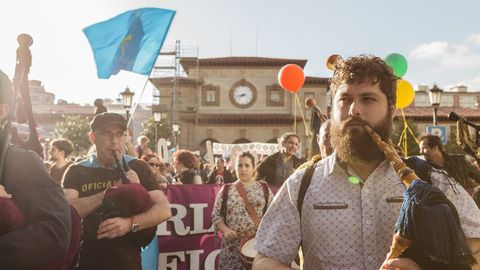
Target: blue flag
{"points": [[130, 41]]}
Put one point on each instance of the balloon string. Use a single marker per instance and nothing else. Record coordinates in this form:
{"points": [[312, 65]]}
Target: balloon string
{"points": [[405, 139], [295, 118], [303, 116]]}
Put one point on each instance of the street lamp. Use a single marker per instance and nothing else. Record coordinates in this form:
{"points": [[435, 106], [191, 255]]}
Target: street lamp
{"points": [[157, 116], [176, 132], [435, 95], [127, 98]]}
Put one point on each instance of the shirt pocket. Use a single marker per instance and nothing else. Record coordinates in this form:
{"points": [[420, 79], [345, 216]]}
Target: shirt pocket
{"points": [[330, 206], [394, 199]]}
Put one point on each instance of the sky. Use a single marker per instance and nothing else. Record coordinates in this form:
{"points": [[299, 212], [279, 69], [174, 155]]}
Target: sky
{"points": [[440, 39]]}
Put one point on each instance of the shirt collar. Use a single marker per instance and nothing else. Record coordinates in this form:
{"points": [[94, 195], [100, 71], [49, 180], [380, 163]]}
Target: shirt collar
{"points": [[333, 165]]}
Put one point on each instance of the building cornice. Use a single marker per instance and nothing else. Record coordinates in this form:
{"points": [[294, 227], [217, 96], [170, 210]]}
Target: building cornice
{"points": [[188, 63]]}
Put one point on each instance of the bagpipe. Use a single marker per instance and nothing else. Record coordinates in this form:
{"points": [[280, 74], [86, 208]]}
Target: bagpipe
{"points": [[12, 216], [127, 200], [317, 118], [428, 228], [468, 142]]}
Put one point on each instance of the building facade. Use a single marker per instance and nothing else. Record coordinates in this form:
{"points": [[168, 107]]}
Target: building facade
{"points": [[236, 100], [457, 99]]}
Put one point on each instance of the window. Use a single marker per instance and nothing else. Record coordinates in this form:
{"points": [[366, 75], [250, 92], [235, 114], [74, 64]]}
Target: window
{"points": [[468, 102], [275, 95], [210, 95]]}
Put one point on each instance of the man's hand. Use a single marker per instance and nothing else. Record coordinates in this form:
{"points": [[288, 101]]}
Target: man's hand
{"points": [[133, 177], [401, 264], [3, 193], [114, 227], [230, 235]]}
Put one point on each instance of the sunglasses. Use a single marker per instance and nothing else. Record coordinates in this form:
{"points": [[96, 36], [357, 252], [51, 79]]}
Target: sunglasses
{"points": [[156, 165]]}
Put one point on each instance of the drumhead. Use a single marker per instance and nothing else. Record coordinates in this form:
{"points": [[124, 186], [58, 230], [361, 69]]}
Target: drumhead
{"points": [[247, 248]]}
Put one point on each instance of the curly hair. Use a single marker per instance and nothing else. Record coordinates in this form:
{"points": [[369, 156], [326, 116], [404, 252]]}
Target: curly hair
{"points": [[185, 157], [63, 145], [366, 69]]}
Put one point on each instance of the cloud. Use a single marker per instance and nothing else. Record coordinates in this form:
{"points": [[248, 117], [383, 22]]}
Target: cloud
{"points": [[448, 56], [472, 83], [474, 39]]}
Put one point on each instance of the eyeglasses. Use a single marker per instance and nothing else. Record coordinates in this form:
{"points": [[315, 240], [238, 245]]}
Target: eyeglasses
{"points": [[152, 164], [110, 136]]}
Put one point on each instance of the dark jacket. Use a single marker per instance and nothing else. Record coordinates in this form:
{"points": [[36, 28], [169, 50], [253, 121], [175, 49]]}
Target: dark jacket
{"points": [[227, 177], [460, 169], [46, 237], [186, 177], [266, 169]]}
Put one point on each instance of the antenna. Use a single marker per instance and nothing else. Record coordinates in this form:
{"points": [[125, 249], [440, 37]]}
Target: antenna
{"points": [[256, 41], [231, 50]]}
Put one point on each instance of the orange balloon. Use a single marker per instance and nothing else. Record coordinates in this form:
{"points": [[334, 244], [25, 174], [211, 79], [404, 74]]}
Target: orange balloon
{"points": [[291, 78]]}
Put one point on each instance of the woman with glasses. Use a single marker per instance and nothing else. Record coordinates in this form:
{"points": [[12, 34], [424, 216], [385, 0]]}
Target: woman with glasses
{"points": [[158, 168]]}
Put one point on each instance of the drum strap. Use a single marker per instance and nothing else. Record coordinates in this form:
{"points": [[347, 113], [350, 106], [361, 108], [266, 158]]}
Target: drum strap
{"points": [[243, 194]]}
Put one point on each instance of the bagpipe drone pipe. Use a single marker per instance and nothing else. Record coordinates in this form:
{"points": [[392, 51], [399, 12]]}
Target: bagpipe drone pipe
{"points": [[428, 228], [12, 216]]}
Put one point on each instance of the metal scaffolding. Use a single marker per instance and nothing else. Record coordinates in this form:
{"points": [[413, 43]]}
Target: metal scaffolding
{"points": [[168, 66]]}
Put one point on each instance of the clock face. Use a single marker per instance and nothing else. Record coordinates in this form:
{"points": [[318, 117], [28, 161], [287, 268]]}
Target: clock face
{"points": [[243, 95]]}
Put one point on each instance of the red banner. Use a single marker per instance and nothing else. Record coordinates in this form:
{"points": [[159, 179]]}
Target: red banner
{"points": [[186, 241]]}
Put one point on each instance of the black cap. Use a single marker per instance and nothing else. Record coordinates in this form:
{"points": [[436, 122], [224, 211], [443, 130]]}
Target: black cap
{"points": [[106, 119]]}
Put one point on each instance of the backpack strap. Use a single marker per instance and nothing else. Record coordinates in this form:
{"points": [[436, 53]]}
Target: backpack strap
{"points": [[265, 194], [223, 209], [306, 180]]}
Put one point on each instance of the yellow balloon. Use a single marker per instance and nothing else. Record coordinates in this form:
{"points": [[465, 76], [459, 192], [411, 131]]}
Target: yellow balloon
{"points": [[405, 94]]}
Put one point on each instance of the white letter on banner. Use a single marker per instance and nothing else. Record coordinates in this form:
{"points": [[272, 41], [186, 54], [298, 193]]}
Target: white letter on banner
{"points": [[195, 259], [198, 217], [210, 260], [178, 226], [163, 259]]}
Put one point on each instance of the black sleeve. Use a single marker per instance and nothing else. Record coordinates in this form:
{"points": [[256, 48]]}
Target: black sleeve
{"points": [[211, 178], [71, 178], [145, 174], [262, 170], [473, 172], [46, 236]]}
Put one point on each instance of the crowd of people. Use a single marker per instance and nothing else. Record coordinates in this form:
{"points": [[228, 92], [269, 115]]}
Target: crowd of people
{"points": [[339, 224]]}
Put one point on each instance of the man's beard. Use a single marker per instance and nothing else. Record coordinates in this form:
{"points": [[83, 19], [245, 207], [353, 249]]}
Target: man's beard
{"points": [[351, 144]]}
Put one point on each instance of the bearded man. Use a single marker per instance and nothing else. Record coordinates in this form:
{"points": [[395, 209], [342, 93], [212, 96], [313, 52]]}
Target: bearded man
{"points": [[349, 210]]}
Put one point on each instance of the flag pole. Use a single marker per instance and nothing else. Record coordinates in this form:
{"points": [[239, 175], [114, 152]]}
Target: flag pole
{"points": [[138, 101]]}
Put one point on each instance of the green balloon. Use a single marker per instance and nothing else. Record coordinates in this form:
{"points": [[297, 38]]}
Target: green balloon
{"points": [[398, 63]]}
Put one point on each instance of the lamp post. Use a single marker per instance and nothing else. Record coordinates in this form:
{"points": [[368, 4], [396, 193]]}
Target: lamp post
{"points": [[176, 132], [435, 95], [157, 116], [127, 98]]}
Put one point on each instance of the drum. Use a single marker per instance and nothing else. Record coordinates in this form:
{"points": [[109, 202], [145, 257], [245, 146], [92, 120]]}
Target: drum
{"points": [[248, 252]]}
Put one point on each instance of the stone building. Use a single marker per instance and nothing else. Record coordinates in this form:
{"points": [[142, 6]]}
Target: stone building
{"points": [[236, 100]]}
